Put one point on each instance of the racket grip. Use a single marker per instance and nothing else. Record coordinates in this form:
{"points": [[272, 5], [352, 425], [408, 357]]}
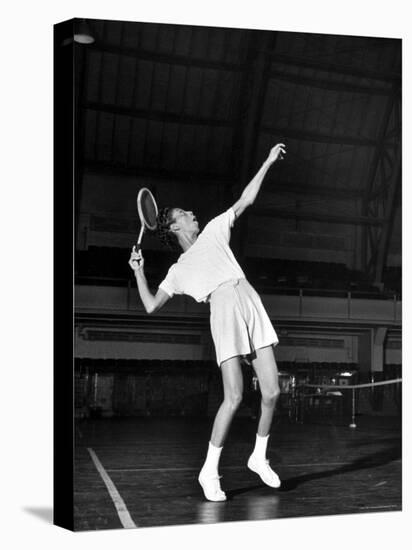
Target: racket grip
{"points": [[137, 247], [139, 240]]}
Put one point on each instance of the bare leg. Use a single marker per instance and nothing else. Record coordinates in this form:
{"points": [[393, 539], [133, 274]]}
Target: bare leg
{"points": [[267, 373], [233, 390]]}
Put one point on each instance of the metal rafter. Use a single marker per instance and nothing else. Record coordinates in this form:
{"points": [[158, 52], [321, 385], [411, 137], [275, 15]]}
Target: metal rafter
{"points": [[318, 137], [157, 172], [169, 59], [116, 95], [259, 74], [380, 144], [383, 245], [275, 212], [156, 115], [169, 78], [183, 103], [152, 78], [338, 69], [371, 195], [300, 188], [243, 99], [389, 203], [325, 84]]}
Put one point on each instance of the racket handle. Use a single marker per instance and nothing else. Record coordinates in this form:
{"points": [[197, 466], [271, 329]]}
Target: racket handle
{"points": [[139, 240]]}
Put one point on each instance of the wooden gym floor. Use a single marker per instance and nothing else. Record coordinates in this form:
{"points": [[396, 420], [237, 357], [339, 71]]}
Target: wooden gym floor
{"points": [[143, 471]]}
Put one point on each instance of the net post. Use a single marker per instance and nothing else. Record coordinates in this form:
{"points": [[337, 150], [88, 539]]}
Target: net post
{"points": [[353, 423]]}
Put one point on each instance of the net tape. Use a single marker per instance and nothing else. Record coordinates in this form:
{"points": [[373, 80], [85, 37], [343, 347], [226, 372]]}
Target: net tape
{"points": [[353, 386]]}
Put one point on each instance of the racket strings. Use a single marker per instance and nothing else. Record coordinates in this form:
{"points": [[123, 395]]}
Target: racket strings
{"points": [[148, 210]]}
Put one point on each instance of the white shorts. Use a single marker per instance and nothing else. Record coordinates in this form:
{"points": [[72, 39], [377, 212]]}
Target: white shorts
{"points": [[238, 321]]}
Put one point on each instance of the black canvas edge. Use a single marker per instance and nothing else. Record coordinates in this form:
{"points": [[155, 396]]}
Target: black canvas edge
{"points": [[63, 248]]}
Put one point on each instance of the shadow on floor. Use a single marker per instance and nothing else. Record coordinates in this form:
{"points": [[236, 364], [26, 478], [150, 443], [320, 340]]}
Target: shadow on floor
{"points": [[235, 492], [370, 461], [43, 513]]}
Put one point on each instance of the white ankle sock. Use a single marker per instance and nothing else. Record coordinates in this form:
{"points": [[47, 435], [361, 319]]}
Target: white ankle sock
{"points": [[212, 459], [260, 447]]}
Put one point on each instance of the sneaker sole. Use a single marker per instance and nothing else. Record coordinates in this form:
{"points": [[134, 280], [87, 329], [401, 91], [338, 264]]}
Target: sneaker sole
{"points": [[251, 467], [221, 499]]}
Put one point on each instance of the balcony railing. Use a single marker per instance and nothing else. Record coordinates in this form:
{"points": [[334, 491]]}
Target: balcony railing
{"points": [[281, 302]]}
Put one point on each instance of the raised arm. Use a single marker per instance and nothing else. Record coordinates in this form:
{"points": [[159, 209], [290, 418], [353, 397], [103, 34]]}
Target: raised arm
{"points": [[252, 188], [152, 303]]}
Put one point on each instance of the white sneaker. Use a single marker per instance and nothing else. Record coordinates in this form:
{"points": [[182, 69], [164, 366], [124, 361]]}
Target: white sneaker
{"points": [[211, 487], [263, 469]]}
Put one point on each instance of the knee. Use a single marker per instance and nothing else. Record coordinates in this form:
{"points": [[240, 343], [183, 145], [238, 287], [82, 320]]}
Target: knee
{"points": [[233, 400], [270, 397]]}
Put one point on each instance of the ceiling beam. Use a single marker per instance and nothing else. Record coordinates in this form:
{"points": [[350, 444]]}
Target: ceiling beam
{"points": [[380, 144], [318, 137], [379, 191], [317, 82], [169, 58], [391, 205], [282, 187], [244, 94], [311, 190], [377, 158], [338, 69], [211, 178], [383, 246], [275, 212], [114, 168], [257, 76], [161, 116]]}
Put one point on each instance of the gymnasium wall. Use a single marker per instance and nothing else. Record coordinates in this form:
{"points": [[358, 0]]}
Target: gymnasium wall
{"points": [[115, 343], [294, 346], [393, 350]]}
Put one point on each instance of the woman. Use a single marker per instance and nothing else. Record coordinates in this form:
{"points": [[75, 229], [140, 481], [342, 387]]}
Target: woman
{"points": [[208, 271]]}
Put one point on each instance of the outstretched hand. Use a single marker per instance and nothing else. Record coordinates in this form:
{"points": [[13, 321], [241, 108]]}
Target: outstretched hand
{"points": [[277, 153], [136, 260]]}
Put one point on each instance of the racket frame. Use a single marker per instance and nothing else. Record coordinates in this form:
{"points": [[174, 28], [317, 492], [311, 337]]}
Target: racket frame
{"points": [[143, 221]]}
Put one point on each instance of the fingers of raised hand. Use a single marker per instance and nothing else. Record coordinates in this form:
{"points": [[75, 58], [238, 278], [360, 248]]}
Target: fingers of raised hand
{"points": [[278, 151]]}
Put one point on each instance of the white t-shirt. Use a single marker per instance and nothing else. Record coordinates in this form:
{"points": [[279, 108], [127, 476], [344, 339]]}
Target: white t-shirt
{"points": [[207, 264]]}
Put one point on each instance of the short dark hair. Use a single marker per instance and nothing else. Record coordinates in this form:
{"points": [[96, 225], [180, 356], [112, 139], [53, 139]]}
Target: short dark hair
{"points": [[165, 219]]}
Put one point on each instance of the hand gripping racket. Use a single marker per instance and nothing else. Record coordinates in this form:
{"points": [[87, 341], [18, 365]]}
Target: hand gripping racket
{"points": [[147, 209]]}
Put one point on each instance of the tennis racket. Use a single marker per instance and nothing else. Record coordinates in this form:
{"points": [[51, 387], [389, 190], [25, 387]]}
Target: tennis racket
{"points": [[147, 209]]}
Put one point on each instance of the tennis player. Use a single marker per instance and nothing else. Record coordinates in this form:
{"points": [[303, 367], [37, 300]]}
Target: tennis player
{"points": [[208, 271]]}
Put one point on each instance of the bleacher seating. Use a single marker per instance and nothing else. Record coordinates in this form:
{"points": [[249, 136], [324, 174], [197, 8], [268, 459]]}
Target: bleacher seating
{"points": [[109, 266]]}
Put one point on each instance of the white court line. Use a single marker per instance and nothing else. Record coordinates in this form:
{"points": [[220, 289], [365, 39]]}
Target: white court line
{"points": [[223, 469], [122, 511]]}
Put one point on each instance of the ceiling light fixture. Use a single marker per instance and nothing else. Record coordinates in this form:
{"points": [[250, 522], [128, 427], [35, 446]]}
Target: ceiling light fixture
{"points": [[82, 33]]}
